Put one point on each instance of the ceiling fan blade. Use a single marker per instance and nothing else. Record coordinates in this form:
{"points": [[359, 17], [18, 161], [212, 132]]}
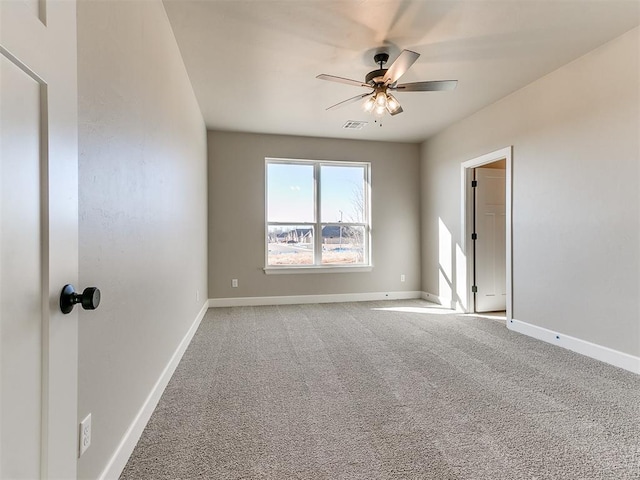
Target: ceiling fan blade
{"points": [[350, 100], [348, 81], [400, 66], [434, 86]]}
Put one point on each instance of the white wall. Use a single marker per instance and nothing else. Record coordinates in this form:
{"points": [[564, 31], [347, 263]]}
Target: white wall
{"points": [[576, 208], [237, 223], [142, 145]]}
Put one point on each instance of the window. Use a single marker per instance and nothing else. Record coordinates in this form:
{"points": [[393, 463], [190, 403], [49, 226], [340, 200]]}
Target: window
{"points": [[317, 214]]}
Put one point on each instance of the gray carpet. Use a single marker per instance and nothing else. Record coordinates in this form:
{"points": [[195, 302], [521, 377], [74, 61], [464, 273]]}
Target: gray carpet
{"points": [[374, 390]]}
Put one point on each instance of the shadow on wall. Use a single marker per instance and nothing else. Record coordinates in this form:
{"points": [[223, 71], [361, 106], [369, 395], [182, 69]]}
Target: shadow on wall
{"points": [[451, 288]]}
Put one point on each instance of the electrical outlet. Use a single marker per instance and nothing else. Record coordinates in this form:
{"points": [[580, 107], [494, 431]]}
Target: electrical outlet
{"points": [[234, 283], [85, 434], [402, 278]]}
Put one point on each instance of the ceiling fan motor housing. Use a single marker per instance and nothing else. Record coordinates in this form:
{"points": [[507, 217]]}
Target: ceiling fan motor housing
{"points": [[375, 76]]}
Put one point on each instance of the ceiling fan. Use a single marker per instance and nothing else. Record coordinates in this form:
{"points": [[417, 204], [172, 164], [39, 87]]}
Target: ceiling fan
{"points": [[385, 80]]}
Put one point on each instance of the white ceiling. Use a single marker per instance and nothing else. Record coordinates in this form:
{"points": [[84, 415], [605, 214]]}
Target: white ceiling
{"points": [[253, 63]]}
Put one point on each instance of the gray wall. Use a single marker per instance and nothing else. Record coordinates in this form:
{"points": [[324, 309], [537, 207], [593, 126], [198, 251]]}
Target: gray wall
{"points": [[237, 223], [142, 198], [576, 209]]}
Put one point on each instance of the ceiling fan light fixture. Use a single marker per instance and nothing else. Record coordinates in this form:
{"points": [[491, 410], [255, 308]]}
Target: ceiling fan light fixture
{"points": [[392, 104], [381, 99], [368, 104], [380, 110]]}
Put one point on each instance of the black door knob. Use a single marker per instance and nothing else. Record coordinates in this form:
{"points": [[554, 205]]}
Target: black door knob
{"points": [[89, 298]]}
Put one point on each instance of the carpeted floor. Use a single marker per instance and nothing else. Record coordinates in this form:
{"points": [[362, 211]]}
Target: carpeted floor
{"points": [[385, 390]]}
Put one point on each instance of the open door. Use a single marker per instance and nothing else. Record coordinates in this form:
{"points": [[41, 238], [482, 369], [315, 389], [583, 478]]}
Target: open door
{"points": [[489, 238], [38, 238]]}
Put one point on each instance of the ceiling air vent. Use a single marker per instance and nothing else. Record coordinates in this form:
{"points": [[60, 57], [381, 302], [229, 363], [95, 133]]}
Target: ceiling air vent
{"points": [[354, 125]]}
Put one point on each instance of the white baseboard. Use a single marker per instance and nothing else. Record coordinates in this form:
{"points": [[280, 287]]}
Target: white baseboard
{"points": [[299, 299], [132, 435], [445, 302], [604, 354]]}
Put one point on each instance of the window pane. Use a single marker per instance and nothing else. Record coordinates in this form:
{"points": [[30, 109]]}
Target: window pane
{"points": [[343, 244], [290, 245], [290, 193], [342, 194]]}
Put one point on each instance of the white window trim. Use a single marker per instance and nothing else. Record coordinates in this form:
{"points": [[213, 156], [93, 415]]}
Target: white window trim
{"points": [[319, 268], [288, 269]]}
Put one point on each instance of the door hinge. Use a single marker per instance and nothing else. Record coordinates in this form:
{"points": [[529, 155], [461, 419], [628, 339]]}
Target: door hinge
{"points": [[474, 236], [474, 289], [474, 183]]}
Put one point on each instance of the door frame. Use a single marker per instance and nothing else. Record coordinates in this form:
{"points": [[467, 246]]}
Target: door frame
{"points": [[466, 217]]}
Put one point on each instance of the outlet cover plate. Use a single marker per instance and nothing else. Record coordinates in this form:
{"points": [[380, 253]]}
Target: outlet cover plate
{"points": [[85, 434]]}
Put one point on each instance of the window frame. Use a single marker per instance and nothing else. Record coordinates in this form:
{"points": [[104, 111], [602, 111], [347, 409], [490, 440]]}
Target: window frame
{"points": [[317, 225]]}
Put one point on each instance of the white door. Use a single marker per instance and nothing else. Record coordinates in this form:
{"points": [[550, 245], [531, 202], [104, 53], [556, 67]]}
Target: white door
{"points": [[490, 251], [38, 238]]}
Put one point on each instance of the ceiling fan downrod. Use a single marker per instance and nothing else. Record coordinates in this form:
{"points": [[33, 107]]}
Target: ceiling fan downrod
{"points": [[375, 77]]}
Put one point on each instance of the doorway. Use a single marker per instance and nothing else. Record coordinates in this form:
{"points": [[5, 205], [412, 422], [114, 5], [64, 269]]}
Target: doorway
{"points": [[486, 232]]}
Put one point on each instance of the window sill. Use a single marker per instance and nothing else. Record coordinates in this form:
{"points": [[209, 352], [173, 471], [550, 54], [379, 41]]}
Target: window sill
{"points": [[317, 269]]}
